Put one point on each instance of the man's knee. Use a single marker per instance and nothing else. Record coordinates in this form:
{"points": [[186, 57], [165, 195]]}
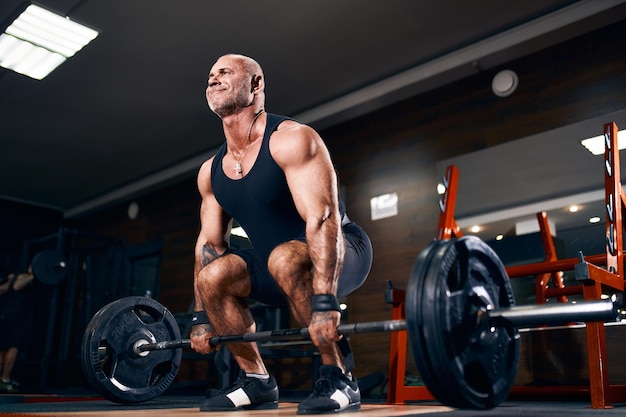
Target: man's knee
{"points": [[290, 259], [227, 274]]}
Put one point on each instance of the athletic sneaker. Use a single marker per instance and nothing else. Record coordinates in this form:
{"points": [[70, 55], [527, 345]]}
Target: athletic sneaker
{"points": [[8, 387], [244, 394], [334, 392]]}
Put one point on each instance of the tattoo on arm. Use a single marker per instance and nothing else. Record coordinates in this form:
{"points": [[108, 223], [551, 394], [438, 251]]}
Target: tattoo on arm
{"points": [[322, 316], [208, 255], [201, 330]]}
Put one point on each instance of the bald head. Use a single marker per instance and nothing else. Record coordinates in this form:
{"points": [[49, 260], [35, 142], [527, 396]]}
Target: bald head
{"points": [[250, 66]]}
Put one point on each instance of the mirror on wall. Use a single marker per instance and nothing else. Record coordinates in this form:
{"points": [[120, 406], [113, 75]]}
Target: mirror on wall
{"points": [[501, 189]]}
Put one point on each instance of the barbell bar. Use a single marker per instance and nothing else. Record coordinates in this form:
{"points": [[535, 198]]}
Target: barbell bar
{"points": [[274, 335], [461, 321], [519, 316]]}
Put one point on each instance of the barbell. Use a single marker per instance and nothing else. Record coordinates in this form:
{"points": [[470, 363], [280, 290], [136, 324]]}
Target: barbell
{"points": [[460, 317]]}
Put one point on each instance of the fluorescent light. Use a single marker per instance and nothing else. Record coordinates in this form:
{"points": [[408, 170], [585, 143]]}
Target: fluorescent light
{"points": [[38, 41], [26, 58], [595, 145]]}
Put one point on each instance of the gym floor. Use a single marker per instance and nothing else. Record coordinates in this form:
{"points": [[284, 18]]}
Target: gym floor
{"points": [[76, 406]]}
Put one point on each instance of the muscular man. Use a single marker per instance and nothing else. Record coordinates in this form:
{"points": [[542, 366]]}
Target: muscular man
{"points": [[275, 177]]}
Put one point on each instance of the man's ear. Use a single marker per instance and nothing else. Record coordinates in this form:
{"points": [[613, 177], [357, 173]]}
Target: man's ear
{"points": [[256, 82]]}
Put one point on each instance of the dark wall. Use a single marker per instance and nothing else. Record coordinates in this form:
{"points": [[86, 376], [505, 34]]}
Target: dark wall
{"points": [[396, 150], [20, 223]]}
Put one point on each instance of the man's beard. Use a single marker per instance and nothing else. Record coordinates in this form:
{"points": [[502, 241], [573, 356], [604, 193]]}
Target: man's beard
{"points": [[231, 105]]}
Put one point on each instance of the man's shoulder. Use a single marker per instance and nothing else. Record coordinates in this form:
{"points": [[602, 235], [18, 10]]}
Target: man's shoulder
{"points": [[204, 173], [294, 142], [289, 124], [292, 130], [206, 166], [292, 136]]}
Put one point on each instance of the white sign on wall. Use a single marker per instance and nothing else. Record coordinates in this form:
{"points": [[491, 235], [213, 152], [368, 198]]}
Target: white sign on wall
{"points": [[385, 205]]}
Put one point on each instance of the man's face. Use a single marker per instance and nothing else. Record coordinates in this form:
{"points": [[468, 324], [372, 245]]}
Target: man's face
{"points": [[229, 87]]}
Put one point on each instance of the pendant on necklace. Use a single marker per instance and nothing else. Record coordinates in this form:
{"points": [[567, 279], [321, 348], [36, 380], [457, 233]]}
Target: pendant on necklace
{"points": [[238, 169]]}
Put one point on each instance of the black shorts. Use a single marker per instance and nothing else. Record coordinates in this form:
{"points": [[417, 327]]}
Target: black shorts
{"points": [[356, 267]]}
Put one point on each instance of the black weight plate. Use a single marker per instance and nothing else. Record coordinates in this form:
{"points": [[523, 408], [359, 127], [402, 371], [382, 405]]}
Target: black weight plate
{"points": [[464, 361], [109, 363], [49, 267]]}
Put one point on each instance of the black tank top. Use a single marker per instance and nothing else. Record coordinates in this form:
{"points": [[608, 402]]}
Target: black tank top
{"points": [[261, 201]]}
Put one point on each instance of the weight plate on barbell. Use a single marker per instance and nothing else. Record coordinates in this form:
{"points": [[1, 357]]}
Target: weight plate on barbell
{"points": [[109, 363], [49, 267], [463, 359]]}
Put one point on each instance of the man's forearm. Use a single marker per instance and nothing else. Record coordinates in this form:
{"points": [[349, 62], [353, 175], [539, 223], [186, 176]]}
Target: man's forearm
{"points": [[326, 248]]}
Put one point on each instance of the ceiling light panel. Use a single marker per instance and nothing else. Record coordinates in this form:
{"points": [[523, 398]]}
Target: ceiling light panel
{"points": [[26, 58], [39, 40]]}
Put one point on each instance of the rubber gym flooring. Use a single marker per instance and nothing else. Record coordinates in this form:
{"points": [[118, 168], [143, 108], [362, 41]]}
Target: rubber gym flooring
{"points": [[76, 406]]}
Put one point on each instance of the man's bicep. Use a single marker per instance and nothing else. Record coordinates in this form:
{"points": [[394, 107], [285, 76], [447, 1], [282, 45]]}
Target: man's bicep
{"points": [[314, 188], [215, 226], [214, 222], [307, 165]]}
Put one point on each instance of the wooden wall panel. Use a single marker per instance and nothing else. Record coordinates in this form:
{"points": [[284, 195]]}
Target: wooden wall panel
{"points": [[396, 150], [170, 214]]}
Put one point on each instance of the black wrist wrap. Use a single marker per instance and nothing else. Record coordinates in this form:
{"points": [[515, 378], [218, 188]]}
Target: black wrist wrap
{"points": [[324, 302], [199, 317]]}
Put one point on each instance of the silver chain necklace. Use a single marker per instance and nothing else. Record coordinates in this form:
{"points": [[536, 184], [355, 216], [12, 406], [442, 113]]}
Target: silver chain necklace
{"points": [[238, 167]]}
